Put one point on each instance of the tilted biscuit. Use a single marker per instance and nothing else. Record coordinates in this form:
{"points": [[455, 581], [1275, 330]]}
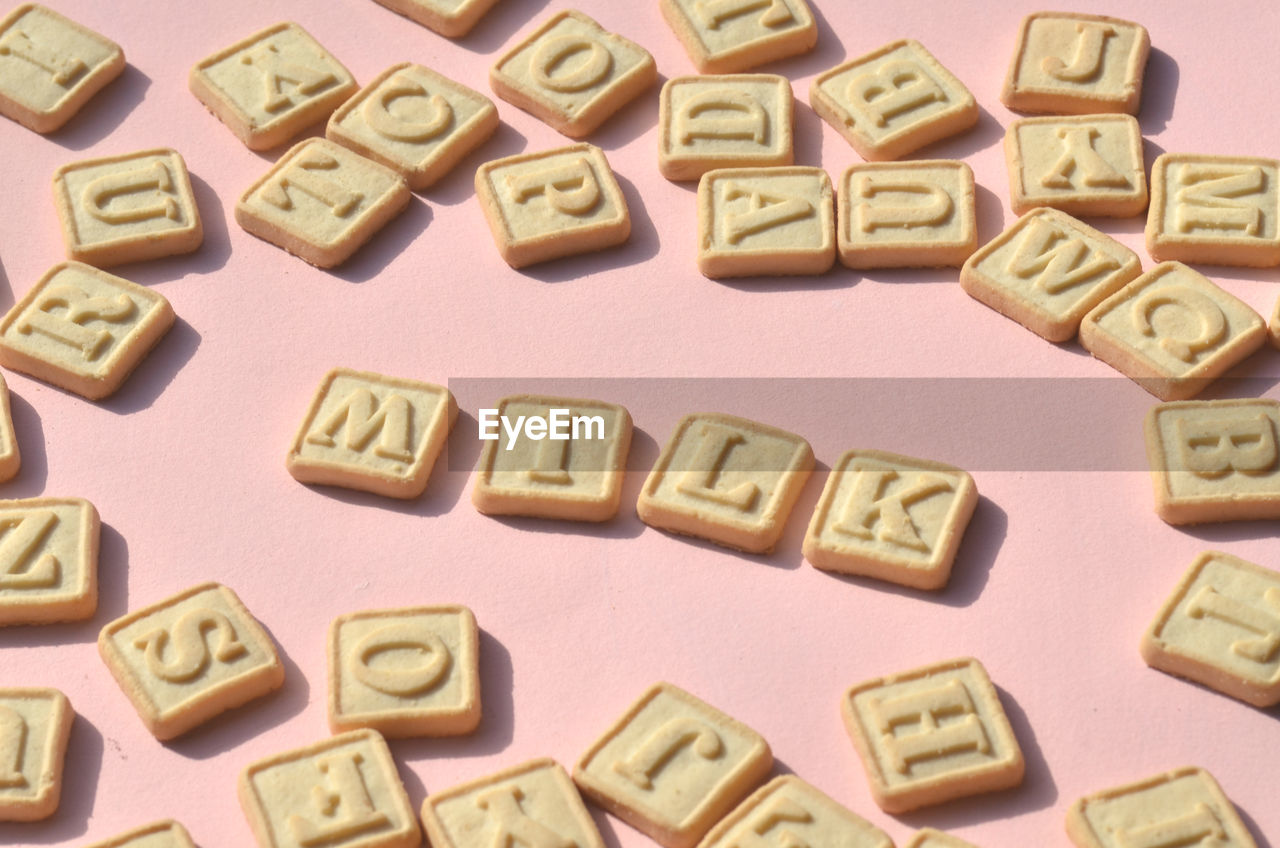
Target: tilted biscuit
{"points": [[1085, 165], [725, 121], [161, 834], [10, 455], [789, 811], [727, 36], [450, 18], [34, 727], [930, 838], [48, 560]]}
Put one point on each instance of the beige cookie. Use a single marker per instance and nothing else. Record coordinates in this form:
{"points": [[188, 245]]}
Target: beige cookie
{"points": [[727, 36], [1074, 64], [788, 811], [726, 121], [1274, 328], [1172, 331], [343, 792], [766, 221], [1222, 210], [34, 727], [127, 208], [373, 433], [726, 479], [930, 838], [51, 66], [161, 834], [673, 766], [1047, 271], [1181, 807], [82, 329], [450, 18], [893, 101], [190, 657], [552, 203], [552, 458], [48, 560], [405, 672], [1215, 460], [10, 455], [906, 214], [572, 73], [1085, 165], [415, 121], [931, 735]]}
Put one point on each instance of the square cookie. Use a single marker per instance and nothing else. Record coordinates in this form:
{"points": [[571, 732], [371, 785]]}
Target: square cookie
{"points": [[891, 517], [788, 811], [127, 208], [450, 18], [82, 329], [161, 834], [341, 792], [189, 658], [34, 726], [1215, 460], [10, 455], [930, 838], [272, 85], [673, 766], [931, 735], [1086, 165], [51, 66], [727, 36], [726, 479], [727, 121], [572, 73], [373, 433], [1222, 210], [893, 101], [1181, 807], [1073, 64], [405, 672], [552, 203], [552, 458], [1221, 627], [48, 560], [1172, 331], [321, 202], [415, 121], [766, 221], [531, 804], [1047, 271], [906, 214]]}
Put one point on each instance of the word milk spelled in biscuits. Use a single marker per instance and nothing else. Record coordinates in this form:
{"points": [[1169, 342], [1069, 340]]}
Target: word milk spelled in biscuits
{"points": [[1047, 271], [1221, 627], [190, 657], [786, 811], [1184, 807], [405, 672], [450, 18], [906, 215], [1216, 460], [373, 433], [48, 560], [555, 203], [127, 208], [161, 834], [1089, 165], [1074, 64], [34, 726], [930, 838], [891, 517], [893, 101], [726, 36], [573, 74], [761, 221], [673, 766], [931, 735], [1172, 330], [51, 66], [730, 121], [726, 479], [342, 792], [272, 85], [10, 456], [1223, 210], [82, 329]]}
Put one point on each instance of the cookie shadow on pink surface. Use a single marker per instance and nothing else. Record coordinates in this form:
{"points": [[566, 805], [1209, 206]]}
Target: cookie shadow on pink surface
{"points": [[1159, 90], [80, 772], [630, 122], [459, 185], [826, 53], [839, 277], [29, 434], [607, 825], [1254, 830], [212, 255], [986, 133], [157, 371], [386, 245], [499, 26], [105, 112]]}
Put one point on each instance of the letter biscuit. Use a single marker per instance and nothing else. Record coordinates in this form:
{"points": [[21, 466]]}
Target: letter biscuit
{"points": [[82, 329], [786, 813], [48, 560], [161, 834], [572, 74], [930, 838], [10, 455], [415, 121], [51, 66], [1073, 64], [673, 766], [727, 36], [931, 735], [272, 85], [1172, 331], [893, 101], [1274, 328], [1047, 271], [190, 657], [450, 18], [1086, 165], [34, 726], [341, 792], [729, 121]]}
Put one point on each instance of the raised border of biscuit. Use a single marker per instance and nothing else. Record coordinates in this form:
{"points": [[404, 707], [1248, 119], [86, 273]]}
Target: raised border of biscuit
{"points": [[1079, 202], [449, 24], [45, 802], [681, 167], [742, 57]]}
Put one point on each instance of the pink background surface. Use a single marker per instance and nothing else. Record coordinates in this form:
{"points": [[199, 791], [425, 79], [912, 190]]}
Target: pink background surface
{"points": [[1063, 566]]}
